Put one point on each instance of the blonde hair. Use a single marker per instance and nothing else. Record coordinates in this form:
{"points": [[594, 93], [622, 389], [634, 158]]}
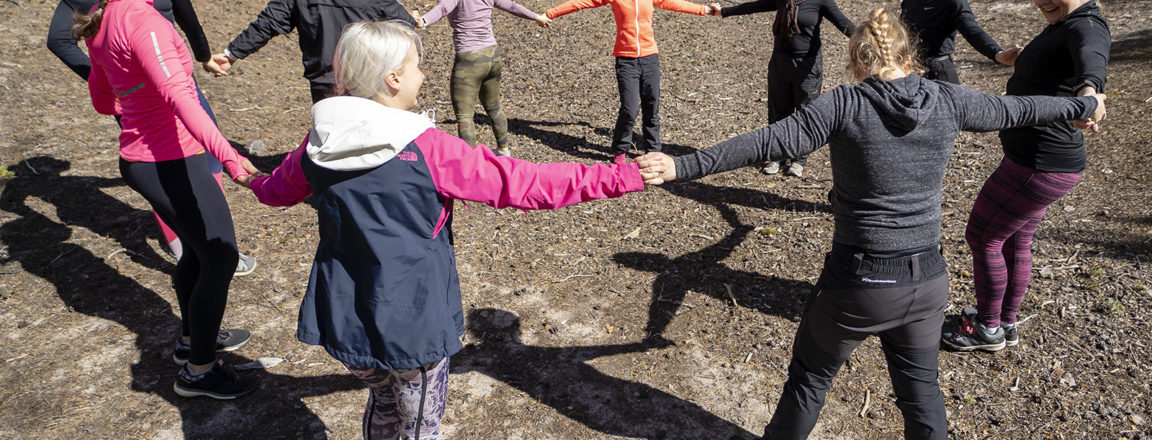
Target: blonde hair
{"points": [[881, 46], [367, 51]]}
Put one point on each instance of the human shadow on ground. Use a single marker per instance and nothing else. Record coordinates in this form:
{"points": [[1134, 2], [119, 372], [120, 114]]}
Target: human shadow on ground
{"points": [[577, 146], [1130, 243], [561, 378], [91, 285]]}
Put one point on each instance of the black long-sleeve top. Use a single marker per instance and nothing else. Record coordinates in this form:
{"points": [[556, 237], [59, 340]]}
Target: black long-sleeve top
{"points": [[806, 43], [890, 142], [936, 23], [319, 23], [1064, 58], [65, 47]]}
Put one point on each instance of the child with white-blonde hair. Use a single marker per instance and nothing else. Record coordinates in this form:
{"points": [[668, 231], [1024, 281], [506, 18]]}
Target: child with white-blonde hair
{"points": [[384, 296]]}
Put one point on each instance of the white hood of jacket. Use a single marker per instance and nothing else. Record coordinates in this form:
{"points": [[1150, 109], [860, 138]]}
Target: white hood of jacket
{"points": [[350, 133]]}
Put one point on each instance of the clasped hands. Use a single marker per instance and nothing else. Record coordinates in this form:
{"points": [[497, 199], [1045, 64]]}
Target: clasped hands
{"points": [[656, 168]]}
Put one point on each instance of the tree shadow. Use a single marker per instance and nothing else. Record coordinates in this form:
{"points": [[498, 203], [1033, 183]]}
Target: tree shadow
{"points": [[1135, 47], [88, 284], [1122, 244], [560, 378], [573, 145]]}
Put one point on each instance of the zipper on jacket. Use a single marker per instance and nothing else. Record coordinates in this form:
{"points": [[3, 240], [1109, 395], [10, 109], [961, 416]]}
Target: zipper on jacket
{"points": [[637, 21]]}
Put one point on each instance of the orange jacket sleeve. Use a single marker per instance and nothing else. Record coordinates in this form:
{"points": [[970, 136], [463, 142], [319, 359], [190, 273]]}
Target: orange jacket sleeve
{"points": [[686, 7], [571, 6]]}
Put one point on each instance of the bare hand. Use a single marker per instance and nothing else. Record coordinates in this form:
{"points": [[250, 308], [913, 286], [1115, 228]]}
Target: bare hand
{"points": [[223, 64], [253, 172], [1007, 57], [543, 20], [656, 168], [1093, 123], [714, 9], [213, 67], [416, 17]]}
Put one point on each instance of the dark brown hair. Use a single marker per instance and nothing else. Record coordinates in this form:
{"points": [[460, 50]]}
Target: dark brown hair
{"points": [[87, 25], [787, 19]]}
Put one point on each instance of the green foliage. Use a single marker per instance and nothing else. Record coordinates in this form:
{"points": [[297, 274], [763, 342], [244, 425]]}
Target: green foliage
{"points": [[5, 172], [1116, 308]]}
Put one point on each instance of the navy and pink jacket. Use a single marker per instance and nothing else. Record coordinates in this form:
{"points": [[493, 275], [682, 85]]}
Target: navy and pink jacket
{"points": [[383, 291]]}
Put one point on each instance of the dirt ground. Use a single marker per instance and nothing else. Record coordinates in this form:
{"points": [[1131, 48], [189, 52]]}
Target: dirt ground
{"points": [[559, 303]]}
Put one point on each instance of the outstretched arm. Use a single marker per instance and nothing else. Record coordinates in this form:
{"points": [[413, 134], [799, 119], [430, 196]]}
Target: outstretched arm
{"points": [[185, 16], [275, 19], [287, 185], [749, 8], [439, 11], [460, 171], [684, 6], [831, 12], [795, 136], [966, 24], [571, 6], [61, 42], [511, 7], [983, 112]]}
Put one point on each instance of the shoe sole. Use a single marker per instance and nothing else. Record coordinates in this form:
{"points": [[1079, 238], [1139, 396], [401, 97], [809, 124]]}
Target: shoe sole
{"points": [[247, 272], [184, 392], [180, 361], [1012, 343], [991, 348]]}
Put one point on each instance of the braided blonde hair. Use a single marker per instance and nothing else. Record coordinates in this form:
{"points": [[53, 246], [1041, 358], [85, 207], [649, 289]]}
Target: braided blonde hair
{"points": [[882, 46]]}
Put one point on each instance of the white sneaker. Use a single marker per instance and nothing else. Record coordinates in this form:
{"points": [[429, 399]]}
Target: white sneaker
{"points": [[770, 168], [794, 169]]}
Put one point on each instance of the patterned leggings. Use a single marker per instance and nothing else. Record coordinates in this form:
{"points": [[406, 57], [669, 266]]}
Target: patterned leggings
{"points": [[396, 397], [1000, 229], [477, 73]]}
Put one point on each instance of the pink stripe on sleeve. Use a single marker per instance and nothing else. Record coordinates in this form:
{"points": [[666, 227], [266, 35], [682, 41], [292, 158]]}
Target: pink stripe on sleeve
{"points": [[287, 185], [460, 171]]}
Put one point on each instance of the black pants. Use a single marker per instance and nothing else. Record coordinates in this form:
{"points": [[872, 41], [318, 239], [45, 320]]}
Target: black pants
{"points": [[942, 68], [900, 299], [638, 80], [792, 83], [320, 90], [187, 197]]}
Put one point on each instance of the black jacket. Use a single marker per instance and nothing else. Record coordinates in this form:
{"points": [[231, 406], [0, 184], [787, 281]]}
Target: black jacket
{"points": [[319, 23], [61, 43], [806, 43], [935, 22]]}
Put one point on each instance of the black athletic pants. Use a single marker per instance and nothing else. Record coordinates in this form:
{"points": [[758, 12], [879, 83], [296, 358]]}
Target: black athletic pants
{"points": [[942, 68], [792, 83], [320, 90], [900, 299], [638, 80], [187, 197]]}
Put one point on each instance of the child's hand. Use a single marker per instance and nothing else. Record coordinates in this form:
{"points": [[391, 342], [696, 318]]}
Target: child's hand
{"points": [[714, 9], [656, 168], [419, 20], [543, 20]]}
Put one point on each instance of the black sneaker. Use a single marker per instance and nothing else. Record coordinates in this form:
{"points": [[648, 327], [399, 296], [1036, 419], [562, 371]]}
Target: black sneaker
{"points": [[220, 382], [227, 340], [1011, 335], [970, 335]]}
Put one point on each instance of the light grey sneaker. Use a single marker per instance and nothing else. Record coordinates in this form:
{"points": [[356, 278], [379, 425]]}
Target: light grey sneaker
{"points": [[794, 169], [504, 152], [245, 266], [770, 168]]}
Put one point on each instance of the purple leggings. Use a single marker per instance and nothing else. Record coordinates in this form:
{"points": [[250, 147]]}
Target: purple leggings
{"points": [[1000, 229]]}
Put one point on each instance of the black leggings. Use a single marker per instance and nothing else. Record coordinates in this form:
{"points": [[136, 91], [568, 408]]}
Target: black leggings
{"points": [[187, 197]]}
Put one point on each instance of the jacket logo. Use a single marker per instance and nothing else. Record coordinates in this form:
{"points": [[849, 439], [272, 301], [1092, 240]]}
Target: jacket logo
{"points": [[869, 280], [407, 156]]}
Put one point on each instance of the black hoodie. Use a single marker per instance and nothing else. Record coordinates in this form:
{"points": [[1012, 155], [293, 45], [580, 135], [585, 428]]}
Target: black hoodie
{"points": [[890, 144], [1067, 56]]}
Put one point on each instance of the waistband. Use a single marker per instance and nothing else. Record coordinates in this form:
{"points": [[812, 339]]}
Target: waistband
{"points": [[922, 262], [939, 58]]}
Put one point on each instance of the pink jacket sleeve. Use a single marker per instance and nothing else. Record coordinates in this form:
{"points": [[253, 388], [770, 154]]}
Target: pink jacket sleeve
{"points": [[287, 185], [460, 171], [154, 46]]}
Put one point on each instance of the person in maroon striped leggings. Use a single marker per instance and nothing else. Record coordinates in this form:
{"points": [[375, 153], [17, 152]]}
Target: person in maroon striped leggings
{"points": [[1040, 165]]}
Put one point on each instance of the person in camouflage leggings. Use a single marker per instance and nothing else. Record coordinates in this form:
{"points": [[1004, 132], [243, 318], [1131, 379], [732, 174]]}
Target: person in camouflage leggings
{"points": [[401, 398], [477, 74]]}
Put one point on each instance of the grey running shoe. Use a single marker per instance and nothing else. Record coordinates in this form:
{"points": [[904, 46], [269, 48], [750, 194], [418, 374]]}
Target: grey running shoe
{"points": [[970, 335], [245, 266], [1011, 335], [794, 169], [220, 382], [226, 340], [504, 152], [770, 168]]}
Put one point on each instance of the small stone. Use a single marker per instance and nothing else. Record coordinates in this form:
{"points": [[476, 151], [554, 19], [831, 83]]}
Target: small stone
{"points": [[1136, 419], [1069, 208]]}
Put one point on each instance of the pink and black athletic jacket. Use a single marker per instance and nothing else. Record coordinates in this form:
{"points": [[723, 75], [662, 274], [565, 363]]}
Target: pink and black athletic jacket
{"points": [[383, 291], [142, 70]]}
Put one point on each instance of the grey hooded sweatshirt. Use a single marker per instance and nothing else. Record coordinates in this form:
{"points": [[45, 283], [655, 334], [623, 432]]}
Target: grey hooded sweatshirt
{"points": [[890, 144]]}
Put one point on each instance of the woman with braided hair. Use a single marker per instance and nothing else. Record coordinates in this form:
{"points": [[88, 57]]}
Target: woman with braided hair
{"points": [[796, 69], [890, 138]]}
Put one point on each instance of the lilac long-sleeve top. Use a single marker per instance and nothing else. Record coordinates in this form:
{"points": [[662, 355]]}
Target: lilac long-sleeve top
{"points": [[471, 20]]}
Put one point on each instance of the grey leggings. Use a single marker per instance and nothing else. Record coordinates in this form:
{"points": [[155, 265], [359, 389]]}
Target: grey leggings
{"points": [[397, 399], [477, 74]]}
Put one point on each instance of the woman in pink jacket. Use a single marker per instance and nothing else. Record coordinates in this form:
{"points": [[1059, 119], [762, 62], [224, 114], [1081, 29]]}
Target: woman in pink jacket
{"points": [[142, 70], [384, 296]]}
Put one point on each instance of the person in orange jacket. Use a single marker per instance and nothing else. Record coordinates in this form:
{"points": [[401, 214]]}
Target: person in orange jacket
{"points": [[637, 64]]}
